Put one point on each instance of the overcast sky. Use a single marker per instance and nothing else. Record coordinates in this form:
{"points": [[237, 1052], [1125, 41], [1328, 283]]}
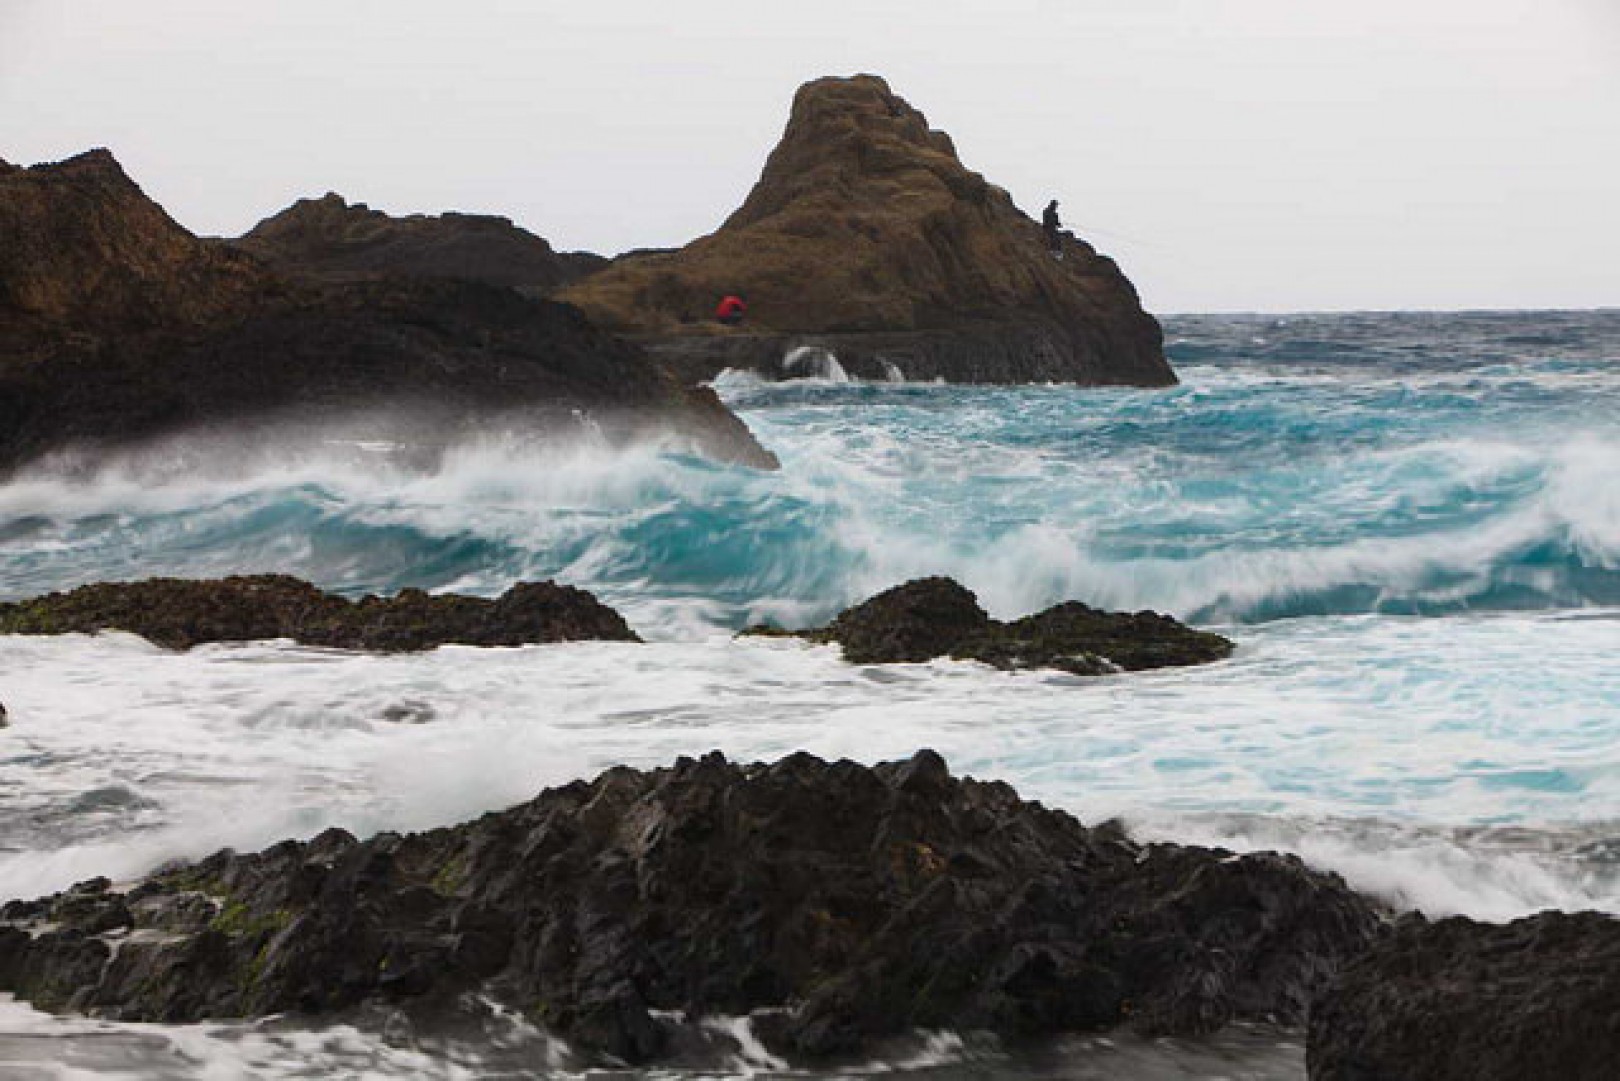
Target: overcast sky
{"points": [[1232, 154]]}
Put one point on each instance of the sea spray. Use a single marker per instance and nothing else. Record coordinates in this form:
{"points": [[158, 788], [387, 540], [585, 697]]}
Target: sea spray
{"points": [[1222, 500], [1439, 734]]}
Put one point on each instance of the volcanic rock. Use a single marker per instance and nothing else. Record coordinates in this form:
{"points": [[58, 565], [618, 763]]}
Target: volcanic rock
{"points": [[1457, 1000], [834, 903], [181, 613], [117, 325], [938, 617], [334, 240], [866, 236]]}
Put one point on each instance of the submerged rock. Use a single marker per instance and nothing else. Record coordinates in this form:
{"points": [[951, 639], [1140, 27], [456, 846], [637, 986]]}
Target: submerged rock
{"points": [[181, 613], [938, 617], [836, 903], [117, 325], [334, 240], [1458, 1000], [867, 236]]}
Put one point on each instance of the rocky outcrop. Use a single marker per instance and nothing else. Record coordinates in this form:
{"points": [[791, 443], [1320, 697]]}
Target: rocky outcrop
{"points": [[938, 617], [1458, 1000], [181, 613], [866, 235], [117, 325], [83, 248], [333, 240], [834, 903]]}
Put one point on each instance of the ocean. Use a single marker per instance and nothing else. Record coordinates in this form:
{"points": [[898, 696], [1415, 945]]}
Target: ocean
{"points": [[1409, 523]]}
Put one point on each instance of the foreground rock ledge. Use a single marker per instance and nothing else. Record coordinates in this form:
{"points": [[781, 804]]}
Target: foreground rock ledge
{"points": [[1459, 1000], [181, 613], [836, 903], [938, 617]]}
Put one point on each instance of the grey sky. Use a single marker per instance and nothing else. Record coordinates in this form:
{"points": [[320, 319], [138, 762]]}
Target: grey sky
{"points": [[1232, 154]]}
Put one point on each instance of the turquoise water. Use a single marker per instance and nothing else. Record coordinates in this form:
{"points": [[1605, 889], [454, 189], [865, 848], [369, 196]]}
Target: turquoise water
{"points": [[1409, 524], [1310, 465]]}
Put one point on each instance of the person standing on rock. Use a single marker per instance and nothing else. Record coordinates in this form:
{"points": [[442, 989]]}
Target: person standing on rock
{"points": [[1053, 228], [730, 310]]}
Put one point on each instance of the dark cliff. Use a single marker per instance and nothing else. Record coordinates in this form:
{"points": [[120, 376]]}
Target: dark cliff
{"points": [[867, 235], [117, 325]]}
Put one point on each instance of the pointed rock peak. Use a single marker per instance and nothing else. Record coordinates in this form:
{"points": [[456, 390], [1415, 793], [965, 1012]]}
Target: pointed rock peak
{"points": [[97, 162], [865, 102], [864, 222], [850, 131], [94, 167], [96, 251]]}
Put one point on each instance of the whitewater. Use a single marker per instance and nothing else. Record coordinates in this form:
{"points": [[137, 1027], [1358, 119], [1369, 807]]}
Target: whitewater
{"points": [[1410, 525]]}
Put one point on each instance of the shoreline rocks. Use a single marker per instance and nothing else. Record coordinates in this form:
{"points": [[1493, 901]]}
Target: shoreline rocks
{"points": [[833, 903], [1459, 1000], [181, 613], [938, 617], [868, 237]]}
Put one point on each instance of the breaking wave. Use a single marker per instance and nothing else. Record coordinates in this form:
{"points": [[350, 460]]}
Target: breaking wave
{"points": [[1249, 493]]}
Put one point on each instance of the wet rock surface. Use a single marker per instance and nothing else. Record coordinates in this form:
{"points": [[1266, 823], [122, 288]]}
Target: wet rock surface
{"points": [[835, 903], [938, 617], [117, 326], [866, 235], [181, 613], [1458, 1000]]}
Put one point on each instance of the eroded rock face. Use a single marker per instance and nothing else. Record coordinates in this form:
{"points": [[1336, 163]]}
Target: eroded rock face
{"points": [[1458, 1000], [938, 617], [866, 235], [117, 325], [331, 239], [869, 900], [82, 246], [181, 613]]}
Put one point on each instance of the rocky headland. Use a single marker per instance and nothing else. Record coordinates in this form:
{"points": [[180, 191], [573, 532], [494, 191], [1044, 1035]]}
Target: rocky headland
{"points": [[939, 617], [117, 325], [867, 237], [181, 613], [833, 903], [333, 240]]}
